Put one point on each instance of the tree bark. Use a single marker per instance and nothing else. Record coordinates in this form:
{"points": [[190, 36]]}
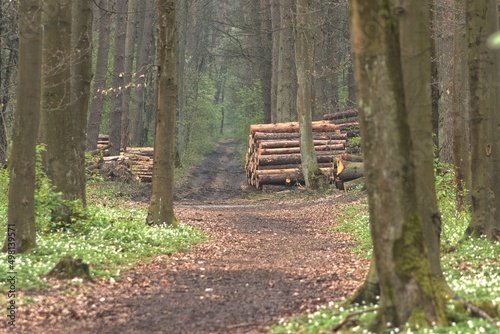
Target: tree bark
{"points": [[81, 77], [482, 21], [142, 68], [460, 112], [21, 229], [100, 78], [275, 8], [130, 42], [304, 54], [400, 250], [161, 208], [417, 76], [63, 157], [286, 99], [118, 81]]}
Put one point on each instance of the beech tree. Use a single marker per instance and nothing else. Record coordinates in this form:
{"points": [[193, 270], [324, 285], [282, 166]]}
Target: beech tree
{"points": [[21, 228], [63, 121], [483, 63], [161, 208], [100, 77], [118, 79], [397, 223], [304, 52]]}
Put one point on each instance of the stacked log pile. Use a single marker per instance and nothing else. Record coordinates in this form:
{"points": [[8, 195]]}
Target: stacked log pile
{"points": [[347, 120], [273, 155], [138, 159]]}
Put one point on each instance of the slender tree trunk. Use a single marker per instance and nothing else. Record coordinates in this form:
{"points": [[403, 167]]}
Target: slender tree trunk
{"points": [[118, 81], [435, 91], [131, 38], [460, 111], [482, 21], [400, 250], [142, 69], [304, 54], [100, 78], [182, 31], [286, 100], [161, 209], [6, 92], [81, 76], [21, 229], [265, 60], [276, 32]]}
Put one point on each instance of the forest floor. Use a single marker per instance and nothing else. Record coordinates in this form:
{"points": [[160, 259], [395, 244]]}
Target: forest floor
{"points": [[271, 255]]}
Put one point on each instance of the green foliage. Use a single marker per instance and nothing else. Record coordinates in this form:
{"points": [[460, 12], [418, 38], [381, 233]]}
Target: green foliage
{"points": [[202, 122], [471, 268], [104, 235], [246, 108]]}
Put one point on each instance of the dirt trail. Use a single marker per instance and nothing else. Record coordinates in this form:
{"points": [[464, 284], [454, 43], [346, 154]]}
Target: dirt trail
{"points": [[220, 176], [268, 258]]}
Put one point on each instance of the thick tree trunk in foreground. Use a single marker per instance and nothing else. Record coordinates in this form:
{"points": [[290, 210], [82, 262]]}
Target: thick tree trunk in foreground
{"points": [[21, 230], [416, 61], [61, 123], [161, 208], [408, 293], [482, 21]]}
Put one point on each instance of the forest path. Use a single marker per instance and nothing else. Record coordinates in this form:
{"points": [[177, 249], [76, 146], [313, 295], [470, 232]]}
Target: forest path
{"points": [[269, 257]]}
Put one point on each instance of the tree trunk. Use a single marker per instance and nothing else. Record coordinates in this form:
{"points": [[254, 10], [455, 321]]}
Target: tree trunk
{"points": [[101, 71], [81, 76], [182, 31], [131, 38], [118, 81], [161, 208], [286, 100], [265, 59], [400, 250], [6, 94], [21, 229], [138, 102], [304, 54], [482, 21], [276, 31], [63, 155], [460, 112], [416, 61]]}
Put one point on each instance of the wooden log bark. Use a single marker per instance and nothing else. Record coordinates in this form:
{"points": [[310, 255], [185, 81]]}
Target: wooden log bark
{"points": [[319, 126], [289, 166], [284, 159], [353, 184], [296, 143], [291, 150], [346, 120], [352, 157], [260, 136], [341, 114], [351, 171], [326, 171]]}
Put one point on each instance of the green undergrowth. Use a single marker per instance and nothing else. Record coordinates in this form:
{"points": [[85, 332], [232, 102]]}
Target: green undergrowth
{"points": [[471, 267], [110, 234]]}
